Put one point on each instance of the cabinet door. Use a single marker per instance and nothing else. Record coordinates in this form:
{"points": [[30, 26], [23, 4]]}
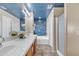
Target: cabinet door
{"points": [[29, 53], [34, 47], [6, 26], [32, 50]]}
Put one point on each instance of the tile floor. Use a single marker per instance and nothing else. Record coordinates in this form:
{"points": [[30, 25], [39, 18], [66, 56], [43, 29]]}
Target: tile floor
{"points": [[44, 50]]}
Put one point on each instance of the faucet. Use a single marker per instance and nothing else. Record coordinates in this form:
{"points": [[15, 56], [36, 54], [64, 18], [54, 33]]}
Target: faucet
{"points": [[0, 45], [1, 40]]}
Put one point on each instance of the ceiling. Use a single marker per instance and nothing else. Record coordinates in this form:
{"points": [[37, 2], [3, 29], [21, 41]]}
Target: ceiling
{"points": [[40, 9], [12, 8]]}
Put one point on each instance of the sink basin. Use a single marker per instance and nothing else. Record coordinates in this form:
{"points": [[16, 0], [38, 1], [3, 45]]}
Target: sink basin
{"points": [[6, 49]]}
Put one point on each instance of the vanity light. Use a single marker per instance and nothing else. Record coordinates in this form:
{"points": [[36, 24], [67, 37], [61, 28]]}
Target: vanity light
{"points": [[24, 12]]}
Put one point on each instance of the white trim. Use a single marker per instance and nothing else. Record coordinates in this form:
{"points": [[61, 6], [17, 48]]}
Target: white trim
{"points": [[43, 37], [42, 40], [59, 53]]}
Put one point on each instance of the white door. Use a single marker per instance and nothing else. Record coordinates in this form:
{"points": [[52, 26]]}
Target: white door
{"points": [[72, 18], [61, 33]]}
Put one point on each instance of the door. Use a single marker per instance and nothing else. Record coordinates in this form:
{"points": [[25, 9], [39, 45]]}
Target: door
{"points": [[57, 32], [61, 33], [72, 19]]}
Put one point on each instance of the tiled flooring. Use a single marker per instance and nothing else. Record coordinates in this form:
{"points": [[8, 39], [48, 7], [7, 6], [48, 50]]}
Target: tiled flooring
{"points": [[44, 50]]}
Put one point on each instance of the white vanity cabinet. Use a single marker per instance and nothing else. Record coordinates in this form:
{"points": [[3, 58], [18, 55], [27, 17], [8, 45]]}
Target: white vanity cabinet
{"points": [[8, 23]]}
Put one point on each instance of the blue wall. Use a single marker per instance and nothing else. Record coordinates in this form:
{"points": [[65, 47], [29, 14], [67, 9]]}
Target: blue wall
{"points": [[40, 28]]}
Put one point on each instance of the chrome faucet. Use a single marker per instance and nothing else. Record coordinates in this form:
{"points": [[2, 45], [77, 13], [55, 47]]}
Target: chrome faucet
{"points": [[1, 40], [0, 44]]}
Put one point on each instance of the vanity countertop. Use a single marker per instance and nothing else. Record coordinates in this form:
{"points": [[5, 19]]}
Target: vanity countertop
{"points": [[18, 47]]}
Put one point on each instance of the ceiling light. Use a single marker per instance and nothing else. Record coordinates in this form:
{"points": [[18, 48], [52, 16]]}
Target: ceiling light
{"points": [[39, 21], [49, 6], [29, 5], [25, 10], [39, 17]]}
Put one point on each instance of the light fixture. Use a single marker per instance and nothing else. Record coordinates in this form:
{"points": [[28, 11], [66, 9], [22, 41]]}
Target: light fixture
{"points": [[39, 17], [25, 11], [49, 6], [29, 5], [39, 21]]}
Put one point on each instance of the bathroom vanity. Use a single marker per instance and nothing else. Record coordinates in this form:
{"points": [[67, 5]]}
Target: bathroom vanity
{"points": [[19, 47], [32, 49]]}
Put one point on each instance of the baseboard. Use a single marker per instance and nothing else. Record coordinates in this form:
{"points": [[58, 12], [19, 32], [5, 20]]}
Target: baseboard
{"points": [[42, 40], [59, 53]]}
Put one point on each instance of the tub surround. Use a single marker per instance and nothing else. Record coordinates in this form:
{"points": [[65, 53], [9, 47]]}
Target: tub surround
{"points": [[19, 47]]}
